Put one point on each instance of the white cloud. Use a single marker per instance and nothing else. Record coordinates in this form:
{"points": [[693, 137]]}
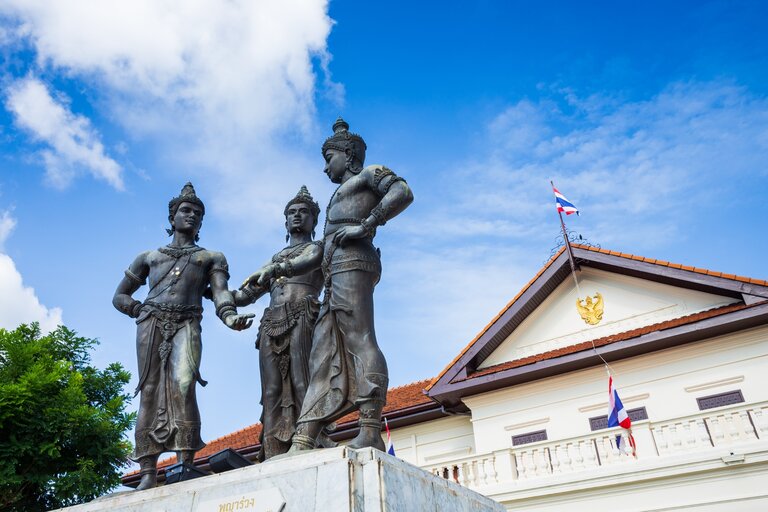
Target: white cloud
{"points": [[72, 142], [437, 300], [223, 92], [634, 168], [240, 65], [7, 223], [18, 303]]}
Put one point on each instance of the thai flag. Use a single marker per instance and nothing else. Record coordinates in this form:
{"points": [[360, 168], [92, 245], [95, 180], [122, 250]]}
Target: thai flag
{"points": [[618, 417], [563, 204], [390, 446]]}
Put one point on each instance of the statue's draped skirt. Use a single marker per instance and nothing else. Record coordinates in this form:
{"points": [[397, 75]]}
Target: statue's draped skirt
{"points": [[284, 343], [346, 365], [169, 351]]}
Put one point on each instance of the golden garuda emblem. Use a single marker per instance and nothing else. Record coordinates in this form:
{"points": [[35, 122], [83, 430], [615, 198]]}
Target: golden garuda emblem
{"points": [[591, 311]]}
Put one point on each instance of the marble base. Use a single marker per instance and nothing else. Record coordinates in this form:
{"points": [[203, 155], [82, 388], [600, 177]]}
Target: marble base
{"points": [[336, 479]]}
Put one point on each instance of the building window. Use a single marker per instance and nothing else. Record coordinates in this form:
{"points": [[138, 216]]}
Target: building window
{"points": [[601, 422], [719, 400], [529, 437]]}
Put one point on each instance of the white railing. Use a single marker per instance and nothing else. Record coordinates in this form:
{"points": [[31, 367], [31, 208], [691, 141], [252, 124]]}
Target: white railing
{"points": [[716, 428], [473, 471]]}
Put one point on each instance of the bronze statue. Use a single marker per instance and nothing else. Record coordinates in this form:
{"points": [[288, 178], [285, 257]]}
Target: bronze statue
{"points": [[168, 340], [285, 333], [347, 369]]}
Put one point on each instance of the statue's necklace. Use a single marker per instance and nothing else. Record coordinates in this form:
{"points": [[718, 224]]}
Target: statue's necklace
{"points": [[178, 252], [293, 251]]}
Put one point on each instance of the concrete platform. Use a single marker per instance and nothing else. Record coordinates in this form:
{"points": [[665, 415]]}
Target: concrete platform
{"points": [[336, 479]]}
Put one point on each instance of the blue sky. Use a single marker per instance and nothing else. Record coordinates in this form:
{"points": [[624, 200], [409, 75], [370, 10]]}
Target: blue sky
{"points": [[652, 117]]}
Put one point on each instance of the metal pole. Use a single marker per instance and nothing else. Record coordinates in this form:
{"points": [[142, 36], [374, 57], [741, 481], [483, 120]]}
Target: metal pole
{"points": [[571, 259]]}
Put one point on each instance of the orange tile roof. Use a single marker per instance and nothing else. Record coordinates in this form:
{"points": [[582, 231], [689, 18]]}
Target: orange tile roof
{"points": [[398, 399], [243, 438], [613, 338], [601, 251]]}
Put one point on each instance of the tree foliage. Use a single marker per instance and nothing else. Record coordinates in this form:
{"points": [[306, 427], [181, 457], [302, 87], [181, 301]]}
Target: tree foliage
{"points": [[62, 421]]}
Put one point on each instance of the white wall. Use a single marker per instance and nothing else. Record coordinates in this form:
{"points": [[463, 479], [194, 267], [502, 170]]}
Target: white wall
{"points": [[667, 383], [689, 476], [434, 441]]}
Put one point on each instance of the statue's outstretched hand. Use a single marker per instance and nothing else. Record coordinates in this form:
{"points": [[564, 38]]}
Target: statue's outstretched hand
{"points": [[261, 277], [347, 233], [239, 322]]}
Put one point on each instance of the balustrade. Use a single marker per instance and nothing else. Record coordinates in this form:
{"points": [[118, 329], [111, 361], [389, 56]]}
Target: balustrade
{"points": [[708, 429]]}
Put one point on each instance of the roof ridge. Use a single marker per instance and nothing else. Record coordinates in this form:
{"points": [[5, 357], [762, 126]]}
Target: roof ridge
{"points": [[663, 263], [620, 336]]}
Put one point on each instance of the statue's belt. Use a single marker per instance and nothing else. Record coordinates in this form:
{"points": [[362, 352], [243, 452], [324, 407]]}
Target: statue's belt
{"points": [[354, 257], [278, 320], [170, 317], [346, 220], [165, 309]]}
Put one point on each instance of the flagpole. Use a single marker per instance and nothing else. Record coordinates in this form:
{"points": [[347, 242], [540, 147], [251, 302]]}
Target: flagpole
{"points": [[568, 249]]}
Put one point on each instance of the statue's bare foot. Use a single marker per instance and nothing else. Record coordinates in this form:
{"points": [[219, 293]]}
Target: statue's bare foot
{"points": [[148, 481], [368, 437]]}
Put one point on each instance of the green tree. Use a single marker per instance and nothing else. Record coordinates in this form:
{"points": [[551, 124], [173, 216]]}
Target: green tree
{"points": [[62, 421]]}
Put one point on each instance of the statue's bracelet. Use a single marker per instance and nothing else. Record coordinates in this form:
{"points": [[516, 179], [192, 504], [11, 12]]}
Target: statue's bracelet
{"points": [[370, 231], [134, 310], [227, 311], [248, 293]]}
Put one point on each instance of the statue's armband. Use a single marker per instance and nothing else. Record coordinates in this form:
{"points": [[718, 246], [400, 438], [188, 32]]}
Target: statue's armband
{"points": [[133, 278], [383, 179], [219, 265]]}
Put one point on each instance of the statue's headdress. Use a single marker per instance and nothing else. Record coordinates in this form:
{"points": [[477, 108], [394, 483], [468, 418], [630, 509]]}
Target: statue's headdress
{"points": [[342, 140], [187, 196], [304, 197]]}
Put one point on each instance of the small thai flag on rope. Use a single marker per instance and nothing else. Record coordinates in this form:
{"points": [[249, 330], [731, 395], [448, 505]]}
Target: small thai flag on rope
{"points": [[618, 417], [563, 204], [390, 446]]}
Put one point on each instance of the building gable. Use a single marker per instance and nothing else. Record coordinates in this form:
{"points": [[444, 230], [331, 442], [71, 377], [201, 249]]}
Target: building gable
{"points": [[694, 303], [629, 303]]}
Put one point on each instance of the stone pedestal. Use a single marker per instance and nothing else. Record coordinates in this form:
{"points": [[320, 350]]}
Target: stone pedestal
{"points": [[332, 480]]}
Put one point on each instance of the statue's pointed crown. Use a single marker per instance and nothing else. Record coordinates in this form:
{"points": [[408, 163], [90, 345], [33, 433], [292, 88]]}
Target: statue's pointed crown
{"points": [[342, 139], [187, 195], [304, 196]]}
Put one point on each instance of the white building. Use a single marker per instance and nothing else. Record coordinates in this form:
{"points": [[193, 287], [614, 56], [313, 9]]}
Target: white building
{"points": [[520, 414]]}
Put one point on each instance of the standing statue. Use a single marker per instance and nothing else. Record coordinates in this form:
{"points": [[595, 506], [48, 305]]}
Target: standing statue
{"points": [[168, 341], [347, 369], [285, 333]]}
